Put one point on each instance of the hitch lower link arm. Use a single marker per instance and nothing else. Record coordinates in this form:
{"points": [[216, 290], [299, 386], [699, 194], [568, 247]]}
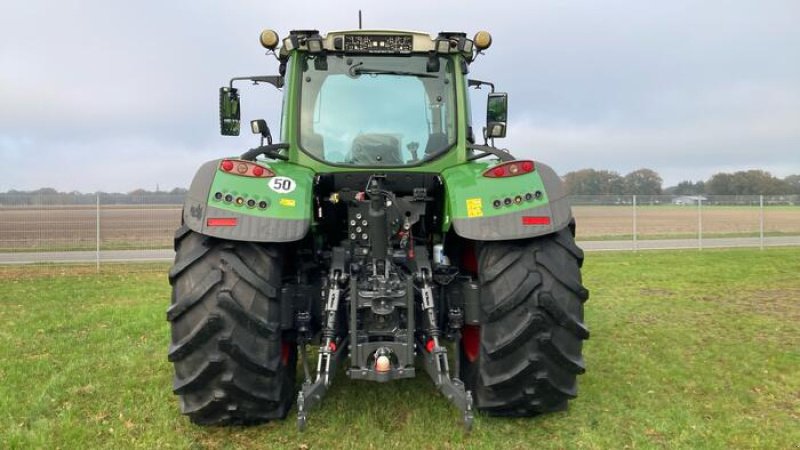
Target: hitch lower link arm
{"points": [[311, 393], [436, 356], [329, 330]]}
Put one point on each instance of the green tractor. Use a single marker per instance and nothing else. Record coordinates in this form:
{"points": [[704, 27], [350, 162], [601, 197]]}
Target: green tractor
{"points": [[376, 231]]}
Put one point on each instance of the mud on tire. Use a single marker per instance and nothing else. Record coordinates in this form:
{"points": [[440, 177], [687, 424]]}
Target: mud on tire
{"points": [[233, 364], [532, 326]]}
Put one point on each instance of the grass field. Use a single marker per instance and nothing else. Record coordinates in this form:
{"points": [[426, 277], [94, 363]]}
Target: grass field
{"points": [[688, 350]]}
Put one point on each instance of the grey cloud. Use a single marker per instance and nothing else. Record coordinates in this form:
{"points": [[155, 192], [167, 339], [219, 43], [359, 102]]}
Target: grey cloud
{"points": [[686, 88]]}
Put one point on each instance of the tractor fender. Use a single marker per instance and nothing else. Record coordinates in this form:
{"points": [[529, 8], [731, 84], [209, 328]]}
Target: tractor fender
{"points": [[538, 203], [287, 195]]}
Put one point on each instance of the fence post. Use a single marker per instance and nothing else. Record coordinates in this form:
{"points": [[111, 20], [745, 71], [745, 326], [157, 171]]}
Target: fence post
{"points": [[699, 223], [761, 221], [97, 233], [635, 243]]}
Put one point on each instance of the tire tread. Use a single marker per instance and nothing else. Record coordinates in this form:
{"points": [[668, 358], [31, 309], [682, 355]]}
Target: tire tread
{"points": [[226, 352], [532, 326]]}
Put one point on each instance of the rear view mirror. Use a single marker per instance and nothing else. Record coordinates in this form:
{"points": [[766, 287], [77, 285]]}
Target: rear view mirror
{"points": [[229, 113], [496, 115]]}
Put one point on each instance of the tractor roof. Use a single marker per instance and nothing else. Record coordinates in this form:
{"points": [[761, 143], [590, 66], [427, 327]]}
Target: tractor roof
{"points": [[386, 42]]}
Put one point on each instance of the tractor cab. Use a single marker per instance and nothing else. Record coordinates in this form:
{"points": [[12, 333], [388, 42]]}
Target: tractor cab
{"points": [[387, 99]]}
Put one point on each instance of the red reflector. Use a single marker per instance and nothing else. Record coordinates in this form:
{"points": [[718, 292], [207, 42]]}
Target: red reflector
{"points": [[332, 346], [471, 342], [221, 222], [499, 171], [258, 171], [527, 166], [429, 346], [286, 352], [227, 166], [469, 260], [535, 220]]}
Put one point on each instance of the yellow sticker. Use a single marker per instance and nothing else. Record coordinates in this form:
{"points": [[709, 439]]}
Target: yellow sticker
{"points": [[474, 207], [287, 202]]}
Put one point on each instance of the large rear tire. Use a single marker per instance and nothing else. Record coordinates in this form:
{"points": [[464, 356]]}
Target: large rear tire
{"points": [[233, 363], [525, 357]]}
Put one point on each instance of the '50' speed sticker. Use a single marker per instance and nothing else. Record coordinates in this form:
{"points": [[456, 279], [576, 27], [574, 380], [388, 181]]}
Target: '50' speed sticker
{"points": [[282, 185]]}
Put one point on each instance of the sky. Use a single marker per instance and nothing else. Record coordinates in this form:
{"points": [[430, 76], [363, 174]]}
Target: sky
{"points": [[115, 96]]}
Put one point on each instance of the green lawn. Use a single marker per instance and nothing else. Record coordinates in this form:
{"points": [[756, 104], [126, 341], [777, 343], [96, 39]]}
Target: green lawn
{"points": [[688, 350]]}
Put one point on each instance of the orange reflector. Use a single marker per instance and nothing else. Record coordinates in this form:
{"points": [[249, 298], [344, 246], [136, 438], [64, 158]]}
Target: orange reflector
{"points": [[535, 220], [382, 364], [221, 222]]}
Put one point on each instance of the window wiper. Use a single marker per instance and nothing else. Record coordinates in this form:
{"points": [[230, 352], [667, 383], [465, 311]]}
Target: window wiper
{"points": [[358, 70]]}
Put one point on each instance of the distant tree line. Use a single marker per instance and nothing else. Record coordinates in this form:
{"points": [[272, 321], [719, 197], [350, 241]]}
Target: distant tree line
{"points": [[581, 182], [50, 196], [648, 182], [597, 182], [749, 182]]}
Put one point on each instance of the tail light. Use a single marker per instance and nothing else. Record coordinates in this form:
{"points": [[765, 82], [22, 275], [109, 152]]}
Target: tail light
{"points": [[245, 168], [510, 169]]}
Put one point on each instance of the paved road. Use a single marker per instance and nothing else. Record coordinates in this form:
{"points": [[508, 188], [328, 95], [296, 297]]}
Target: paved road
{"points": [[670, 244], [167, 254], [87, 256]]}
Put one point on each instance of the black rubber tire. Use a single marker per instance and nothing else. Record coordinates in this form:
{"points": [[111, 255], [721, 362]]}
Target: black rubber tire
{"points": [[532, 329], [233, 364]]}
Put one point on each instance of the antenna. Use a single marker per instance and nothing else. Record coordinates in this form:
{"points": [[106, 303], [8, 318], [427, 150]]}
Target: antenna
{"points": [[359, 19]]}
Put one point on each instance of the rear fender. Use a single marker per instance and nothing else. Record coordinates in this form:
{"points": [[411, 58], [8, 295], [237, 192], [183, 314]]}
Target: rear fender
{"points": [[288, 195], [472, 197]]}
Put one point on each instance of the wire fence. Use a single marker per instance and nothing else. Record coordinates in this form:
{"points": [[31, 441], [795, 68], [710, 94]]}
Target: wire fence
{"points": [[90, 230], [638, 222], [103, 228]]}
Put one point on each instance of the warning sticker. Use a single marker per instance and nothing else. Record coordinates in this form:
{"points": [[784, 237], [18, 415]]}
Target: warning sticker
{"points": [[474, 207], [287, 202]]}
